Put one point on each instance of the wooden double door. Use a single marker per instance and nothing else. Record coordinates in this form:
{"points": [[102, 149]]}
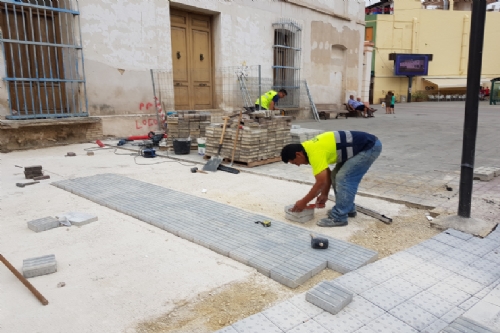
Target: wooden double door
{"points": [[192, 60]]}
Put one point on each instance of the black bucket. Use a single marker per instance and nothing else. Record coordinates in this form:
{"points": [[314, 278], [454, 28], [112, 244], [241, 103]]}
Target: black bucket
{"points": [[182, 146]]}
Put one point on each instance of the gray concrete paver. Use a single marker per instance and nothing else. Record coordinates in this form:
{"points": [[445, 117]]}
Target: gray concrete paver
{"points": [[423, 296], [224, 229]]}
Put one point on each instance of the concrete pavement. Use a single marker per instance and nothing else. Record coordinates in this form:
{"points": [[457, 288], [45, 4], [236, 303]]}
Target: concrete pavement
{"points": [[450, 283], [421, 157]]}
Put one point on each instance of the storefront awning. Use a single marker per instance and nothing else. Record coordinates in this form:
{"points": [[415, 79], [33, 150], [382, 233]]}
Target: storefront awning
{"points": [[453, 82]]}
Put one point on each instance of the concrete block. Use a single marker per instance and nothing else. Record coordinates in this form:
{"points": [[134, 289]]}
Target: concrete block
{"points": [[432, 303], [354, 282], [78, 219], [43, 224], [301, 217], [389, 323], [423, 252], [467, 285], [341, 322], [256, 323], [452, 315], [308, 327], [285, 315], [383, 297], [483, 277], [227, 329], [224, 246], [329, 296], [412, 315], [419, 279], [465, 324], [290, 276], [456, 233], [484, 173], [300, 302], [39, 266], [449, 293], [363, 310], [469, 303], [435, 327], [402, 287], [471, 225], [375, 274], [263, 266]]}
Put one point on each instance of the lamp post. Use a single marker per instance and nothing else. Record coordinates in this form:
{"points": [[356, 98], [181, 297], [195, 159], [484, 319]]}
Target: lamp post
{"points": [[478, 18]]}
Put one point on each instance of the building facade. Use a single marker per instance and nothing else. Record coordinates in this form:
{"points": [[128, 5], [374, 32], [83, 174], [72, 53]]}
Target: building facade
{"points": [[443, 32], [67, 58]]}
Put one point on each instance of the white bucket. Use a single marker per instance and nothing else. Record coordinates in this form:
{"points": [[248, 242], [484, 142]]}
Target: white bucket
{"points": [[201, 145]]}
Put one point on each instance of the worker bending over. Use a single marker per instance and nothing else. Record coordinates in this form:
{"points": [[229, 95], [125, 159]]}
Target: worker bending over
{"points": [[269, 99], [352, 153]]}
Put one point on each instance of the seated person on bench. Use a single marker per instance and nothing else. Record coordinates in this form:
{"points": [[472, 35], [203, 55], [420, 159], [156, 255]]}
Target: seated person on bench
{"points": [[359, 106]]}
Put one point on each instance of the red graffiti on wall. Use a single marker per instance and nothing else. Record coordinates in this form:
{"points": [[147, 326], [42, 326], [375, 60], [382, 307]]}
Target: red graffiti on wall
{"points": [[145, 122], [147, 105]]}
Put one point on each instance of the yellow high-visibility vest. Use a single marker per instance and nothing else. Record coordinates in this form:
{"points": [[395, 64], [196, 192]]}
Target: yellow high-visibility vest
{"points": [[266, 99]]}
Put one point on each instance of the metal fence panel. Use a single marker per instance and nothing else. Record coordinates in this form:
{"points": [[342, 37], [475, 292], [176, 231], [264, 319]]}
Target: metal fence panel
{"points": [[44, 63], [235, 87]]}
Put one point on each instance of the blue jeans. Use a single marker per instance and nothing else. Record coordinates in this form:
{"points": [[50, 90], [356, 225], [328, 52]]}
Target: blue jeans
{"points": [[345, 179]]}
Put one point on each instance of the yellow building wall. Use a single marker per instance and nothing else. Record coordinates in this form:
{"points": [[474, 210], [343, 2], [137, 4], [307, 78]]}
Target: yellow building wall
{"points": [[445, 34]]}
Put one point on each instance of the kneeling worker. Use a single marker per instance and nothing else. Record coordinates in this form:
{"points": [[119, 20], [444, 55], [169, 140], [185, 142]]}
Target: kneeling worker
{"points": [[352, 152], [269, 99]]}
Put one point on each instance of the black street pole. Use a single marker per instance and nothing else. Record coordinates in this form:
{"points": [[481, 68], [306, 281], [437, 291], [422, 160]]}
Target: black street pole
{"points": [[478, 18]]}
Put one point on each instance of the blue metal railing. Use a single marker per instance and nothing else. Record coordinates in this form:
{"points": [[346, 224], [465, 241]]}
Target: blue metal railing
{"points": [[43, 58]]}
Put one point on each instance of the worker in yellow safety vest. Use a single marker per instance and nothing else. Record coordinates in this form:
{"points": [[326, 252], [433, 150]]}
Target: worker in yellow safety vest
{"points": [[269, 99]]}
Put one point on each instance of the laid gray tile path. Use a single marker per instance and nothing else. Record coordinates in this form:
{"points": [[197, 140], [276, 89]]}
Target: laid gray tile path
{"points": [[282, 252], [435, 286]]}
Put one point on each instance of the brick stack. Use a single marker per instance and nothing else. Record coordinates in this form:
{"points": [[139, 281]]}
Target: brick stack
{"points": [[33, 171], [259, 139], [300, 135], [188, 124]]}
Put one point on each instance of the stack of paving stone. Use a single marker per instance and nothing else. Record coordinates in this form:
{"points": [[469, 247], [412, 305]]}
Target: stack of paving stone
{"points": [[300, 135], [259, 139], [33, 171], [188, 124]]}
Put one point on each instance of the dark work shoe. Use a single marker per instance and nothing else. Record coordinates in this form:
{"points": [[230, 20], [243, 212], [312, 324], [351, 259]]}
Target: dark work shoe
{"points": [[351, 214], [330, 223]]}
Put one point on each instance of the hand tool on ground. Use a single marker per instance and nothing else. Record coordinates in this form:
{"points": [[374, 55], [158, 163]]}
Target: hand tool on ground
{"points": [[195, 170], [228, 169], [143, 137], [216, 160], [21, 278], [147, 153], [25, 184], [265, 223], [319, 242], [236, 138], [369, 212]]}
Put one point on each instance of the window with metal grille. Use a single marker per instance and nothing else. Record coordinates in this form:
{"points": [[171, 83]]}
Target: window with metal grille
{"points": [[44, 65], [286, 69]]}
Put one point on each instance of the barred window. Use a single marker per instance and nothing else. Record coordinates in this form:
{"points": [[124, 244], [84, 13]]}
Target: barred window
{"points": [[286, 68]]}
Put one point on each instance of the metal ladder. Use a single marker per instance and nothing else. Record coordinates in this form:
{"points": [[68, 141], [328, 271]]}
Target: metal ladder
{"points": [[313, 106], [247, 101]]}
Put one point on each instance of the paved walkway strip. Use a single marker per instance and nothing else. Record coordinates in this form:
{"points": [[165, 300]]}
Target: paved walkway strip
{"points": [[450, 284], [281, 252]]}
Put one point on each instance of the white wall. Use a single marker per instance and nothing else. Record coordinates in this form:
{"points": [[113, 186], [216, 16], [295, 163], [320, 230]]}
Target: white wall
{"points": [[123, 39]]}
